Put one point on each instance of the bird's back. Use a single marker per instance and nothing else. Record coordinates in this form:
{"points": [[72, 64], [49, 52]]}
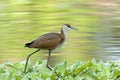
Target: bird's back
{"points": [[47, 41]]}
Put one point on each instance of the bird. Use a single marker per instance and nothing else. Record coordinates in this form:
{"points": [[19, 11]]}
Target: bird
{"points": [[49, 41]]}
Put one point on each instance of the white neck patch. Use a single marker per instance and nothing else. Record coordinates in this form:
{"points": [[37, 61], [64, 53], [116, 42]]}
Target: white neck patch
{"points": [[65, 29]]}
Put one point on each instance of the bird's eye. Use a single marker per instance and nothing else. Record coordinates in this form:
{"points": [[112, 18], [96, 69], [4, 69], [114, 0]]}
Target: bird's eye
{"points": [[68, 25]]}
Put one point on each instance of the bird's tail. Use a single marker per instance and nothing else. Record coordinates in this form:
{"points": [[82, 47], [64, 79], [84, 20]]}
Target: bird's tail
{"points": [[28, 44]]}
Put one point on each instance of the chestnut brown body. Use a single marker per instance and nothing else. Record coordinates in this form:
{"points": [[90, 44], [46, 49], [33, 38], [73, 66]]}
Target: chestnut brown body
{"points": [[48, 41]]}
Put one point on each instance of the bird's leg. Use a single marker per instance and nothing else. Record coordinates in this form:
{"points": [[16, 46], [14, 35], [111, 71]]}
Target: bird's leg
{"points": [[48, 60], [28, 59]]}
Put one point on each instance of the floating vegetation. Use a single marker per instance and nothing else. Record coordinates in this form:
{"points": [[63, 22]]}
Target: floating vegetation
{"points": [[90, 70]]}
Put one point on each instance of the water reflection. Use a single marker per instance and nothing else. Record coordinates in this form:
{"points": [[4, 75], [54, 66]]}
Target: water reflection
{"points": [[23, 21]]}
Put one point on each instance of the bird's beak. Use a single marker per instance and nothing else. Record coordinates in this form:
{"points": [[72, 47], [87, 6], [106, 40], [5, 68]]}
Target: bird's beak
{"points": [[74, 28]]}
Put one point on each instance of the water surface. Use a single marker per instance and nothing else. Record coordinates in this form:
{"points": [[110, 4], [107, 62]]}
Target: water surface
{"points": [[24, 20]]}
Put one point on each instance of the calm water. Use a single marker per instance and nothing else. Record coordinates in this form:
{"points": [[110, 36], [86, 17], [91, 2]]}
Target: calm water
{"points": [[98, 23]]}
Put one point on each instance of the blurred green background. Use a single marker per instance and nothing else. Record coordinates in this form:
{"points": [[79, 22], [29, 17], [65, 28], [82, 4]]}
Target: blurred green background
{"points": [[98, 22]]}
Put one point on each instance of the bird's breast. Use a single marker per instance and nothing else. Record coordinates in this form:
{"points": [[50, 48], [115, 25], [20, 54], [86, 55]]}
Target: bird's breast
{"points": [[61, 44]]}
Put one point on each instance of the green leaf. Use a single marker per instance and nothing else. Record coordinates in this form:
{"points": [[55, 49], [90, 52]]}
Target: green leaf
{"points": [[10, 65], [82, 67], [74, 66], [61, 68]]}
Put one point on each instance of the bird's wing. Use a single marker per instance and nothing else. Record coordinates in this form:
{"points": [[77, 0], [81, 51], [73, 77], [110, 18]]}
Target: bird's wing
{"points": [[47, 41]]}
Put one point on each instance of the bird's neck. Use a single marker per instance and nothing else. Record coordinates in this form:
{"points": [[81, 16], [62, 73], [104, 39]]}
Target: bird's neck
{"points": [[64, 33]]}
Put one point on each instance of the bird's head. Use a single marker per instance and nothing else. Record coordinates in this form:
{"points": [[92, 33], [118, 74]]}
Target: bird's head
{"points": [[67, 27]]}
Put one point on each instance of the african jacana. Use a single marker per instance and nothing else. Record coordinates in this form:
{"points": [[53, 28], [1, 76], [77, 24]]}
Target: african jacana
{"points": [[49, 41]]}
